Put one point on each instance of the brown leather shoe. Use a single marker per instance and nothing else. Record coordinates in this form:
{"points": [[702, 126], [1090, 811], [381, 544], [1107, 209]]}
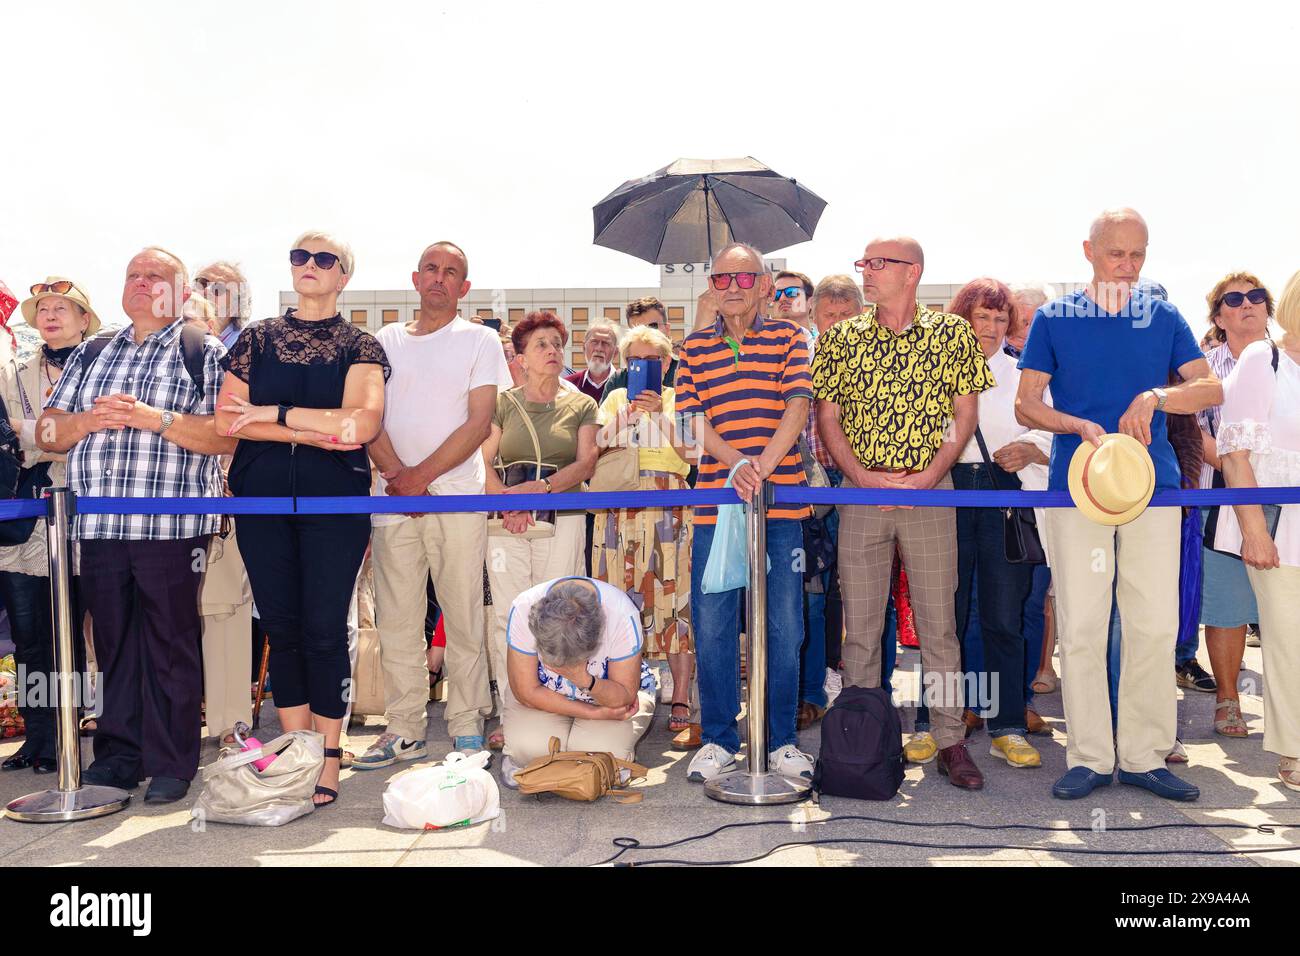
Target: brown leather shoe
{"points": [[808, 714], [972, 720], [1033, 723], [956, 765]]}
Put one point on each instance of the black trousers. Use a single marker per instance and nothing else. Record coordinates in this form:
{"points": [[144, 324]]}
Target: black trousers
{"points": [[27, 600], [303, 569], [143, 597]]}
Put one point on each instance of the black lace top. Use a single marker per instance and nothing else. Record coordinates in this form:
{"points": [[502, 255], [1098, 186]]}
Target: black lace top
{"points": [[289, 361]]}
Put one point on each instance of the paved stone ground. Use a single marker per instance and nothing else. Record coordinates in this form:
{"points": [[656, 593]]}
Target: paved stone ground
{"points": [[1237, 781]]}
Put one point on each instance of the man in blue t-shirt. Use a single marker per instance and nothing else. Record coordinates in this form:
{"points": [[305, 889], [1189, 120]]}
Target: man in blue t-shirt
{"points": [[1108, 351]]}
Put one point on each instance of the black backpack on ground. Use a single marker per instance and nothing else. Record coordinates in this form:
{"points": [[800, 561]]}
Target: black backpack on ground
{"points": [[862, 746]]}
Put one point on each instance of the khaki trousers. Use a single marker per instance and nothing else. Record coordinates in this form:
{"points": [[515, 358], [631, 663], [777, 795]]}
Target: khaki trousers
{"points": [[529, 732], [517, 564], [450, 547], [927, 540], [1277, 592], [226, 606], [1140, 559]]}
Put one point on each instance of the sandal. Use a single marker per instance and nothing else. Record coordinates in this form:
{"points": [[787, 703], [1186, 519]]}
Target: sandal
{"points": [[1045, 682], [333, 795], [1234, 725], [1288, 771], [435, 679], [677, 724]]}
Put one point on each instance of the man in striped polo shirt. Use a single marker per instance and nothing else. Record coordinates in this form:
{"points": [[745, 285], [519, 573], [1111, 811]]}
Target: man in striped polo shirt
{"points": [[743, 393]]}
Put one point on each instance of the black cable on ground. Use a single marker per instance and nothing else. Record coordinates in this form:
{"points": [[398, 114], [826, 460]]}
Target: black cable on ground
{"points": [[631, 843]]}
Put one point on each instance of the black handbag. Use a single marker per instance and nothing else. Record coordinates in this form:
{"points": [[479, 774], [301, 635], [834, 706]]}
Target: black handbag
{"points": [[17, 482], [1019, 525]]}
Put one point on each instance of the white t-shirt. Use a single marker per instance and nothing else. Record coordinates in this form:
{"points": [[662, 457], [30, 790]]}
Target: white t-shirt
{"points": [[620, 638], [427, 396]]}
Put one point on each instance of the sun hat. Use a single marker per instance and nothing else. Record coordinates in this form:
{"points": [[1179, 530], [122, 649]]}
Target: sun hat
{"points": [[1112, 484], [43, 290]]}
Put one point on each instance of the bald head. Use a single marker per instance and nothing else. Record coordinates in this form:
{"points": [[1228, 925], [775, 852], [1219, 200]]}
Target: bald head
{"points": [[447, 247], [899, 247], [1119, 217], [738, 256]]}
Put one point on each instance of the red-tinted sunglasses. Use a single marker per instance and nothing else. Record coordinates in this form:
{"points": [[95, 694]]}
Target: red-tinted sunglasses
{"points": [[722, 280]]}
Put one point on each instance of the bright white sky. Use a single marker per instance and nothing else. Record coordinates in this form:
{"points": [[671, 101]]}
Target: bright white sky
{"points": [[992, 132]]}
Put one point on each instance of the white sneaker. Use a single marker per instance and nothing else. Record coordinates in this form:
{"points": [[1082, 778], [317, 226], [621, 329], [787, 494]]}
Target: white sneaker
{"points": [[790, 761], [832, 686], [508, 771], [710, 761], [665, 686]]}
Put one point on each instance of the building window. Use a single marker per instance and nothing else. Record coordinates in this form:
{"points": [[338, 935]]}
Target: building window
{"points": [[516, 316], [579, 317], [483, 313], [389, 315], [614, 314], [359, 317], [676, 319]]}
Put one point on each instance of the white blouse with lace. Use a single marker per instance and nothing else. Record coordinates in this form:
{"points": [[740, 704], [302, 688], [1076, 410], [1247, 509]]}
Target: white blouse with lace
{"points": [[1261, 415]]}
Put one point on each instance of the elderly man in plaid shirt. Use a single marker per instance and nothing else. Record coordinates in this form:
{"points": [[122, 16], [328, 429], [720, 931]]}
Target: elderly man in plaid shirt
{"points": [[136, 422]]}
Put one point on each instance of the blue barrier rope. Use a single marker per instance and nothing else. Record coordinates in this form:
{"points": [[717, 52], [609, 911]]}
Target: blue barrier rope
{"points": [[580, 501]]}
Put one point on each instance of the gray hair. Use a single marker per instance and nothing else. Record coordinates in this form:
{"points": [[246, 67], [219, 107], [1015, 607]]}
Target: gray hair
{"points": [[1037, 293], [605, 325], [840, 288], [567, 623], [341, 248], [243, 296]]}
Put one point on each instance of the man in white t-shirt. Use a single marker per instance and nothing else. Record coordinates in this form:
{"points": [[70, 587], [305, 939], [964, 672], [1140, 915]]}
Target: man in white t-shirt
{"points": [[438, 408]]}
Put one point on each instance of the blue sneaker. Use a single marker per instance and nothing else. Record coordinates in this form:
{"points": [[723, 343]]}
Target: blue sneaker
{"points": [[1162, 783], [471, 744], [388, 750], [1079, 782]]}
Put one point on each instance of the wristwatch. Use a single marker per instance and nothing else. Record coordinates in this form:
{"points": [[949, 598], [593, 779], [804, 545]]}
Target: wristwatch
{"points": [[1161, 397], [167, 419], [283, 414], [547, 483]]}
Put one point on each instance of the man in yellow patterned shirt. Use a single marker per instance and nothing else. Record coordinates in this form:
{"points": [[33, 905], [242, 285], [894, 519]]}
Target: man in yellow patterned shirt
{"points": [[897, 392]]}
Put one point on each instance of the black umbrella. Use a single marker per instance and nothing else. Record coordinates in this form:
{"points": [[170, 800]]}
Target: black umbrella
{"points": [[690, 209]]}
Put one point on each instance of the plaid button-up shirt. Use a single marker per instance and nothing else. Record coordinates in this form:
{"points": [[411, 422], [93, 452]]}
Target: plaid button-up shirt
{"points": [[131, 463]]}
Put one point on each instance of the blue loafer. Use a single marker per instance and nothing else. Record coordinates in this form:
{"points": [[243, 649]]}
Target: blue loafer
{"points": [[1162, 783], [1079, 782]]}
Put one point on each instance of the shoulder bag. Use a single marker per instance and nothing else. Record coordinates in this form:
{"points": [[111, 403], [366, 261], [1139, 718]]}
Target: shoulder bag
{"points": [[517, 473], [1019, 526], [577, 775]]}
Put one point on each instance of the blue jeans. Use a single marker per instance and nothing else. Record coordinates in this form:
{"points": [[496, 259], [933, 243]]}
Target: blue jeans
{"points": [[717, 658], [990, 601], [812, 656]]}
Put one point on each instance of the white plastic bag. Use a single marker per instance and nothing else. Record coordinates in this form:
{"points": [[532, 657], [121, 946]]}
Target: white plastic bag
{"points": [[457, 792]]}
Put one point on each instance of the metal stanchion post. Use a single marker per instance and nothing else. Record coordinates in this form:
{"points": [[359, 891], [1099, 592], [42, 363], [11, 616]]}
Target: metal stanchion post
{"points": [[757, 785], [71, 801]]}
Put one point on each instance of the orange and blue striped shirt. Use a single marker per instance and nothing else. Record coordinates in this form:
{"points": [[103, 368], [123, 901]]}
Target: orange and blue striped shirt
{"points": [[742, 390]]}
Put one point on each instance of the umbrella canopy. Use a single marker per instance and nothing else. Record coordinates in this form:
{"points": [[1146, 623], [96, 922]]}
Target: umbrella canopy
{"points": [[692, 208]]}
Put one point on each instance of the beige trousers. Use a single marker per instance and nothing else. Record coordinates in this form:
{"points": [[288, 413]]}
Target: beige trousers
{"points": [[1141, 560], [226, 606], [450, 548], [1277, 593], [529, 732], [516, 564]]}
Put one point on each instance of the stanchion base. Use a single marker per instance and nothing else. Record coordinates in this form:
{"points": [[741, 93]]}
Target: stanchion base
{"points": [[60, 806], [756, 789]]}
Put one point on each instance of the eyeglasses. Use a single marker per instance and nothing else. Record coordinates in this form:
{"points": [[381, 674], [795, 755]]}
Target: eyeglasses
{"points": [[722, 280], [878, 262], [1233, 300], [791, 293], [325, 260], [217, 286], [62, 287]]}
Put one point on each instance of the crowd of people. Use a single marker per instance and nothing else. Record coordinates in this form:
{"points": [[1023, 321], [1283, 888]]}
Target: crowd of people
{"points": [[1104, 392]]}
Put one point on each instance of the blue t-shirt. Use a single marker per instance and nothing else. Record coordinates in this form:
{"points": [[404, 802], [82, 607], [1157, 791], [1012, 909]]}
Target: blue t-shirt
{"points": [[1100, 361]]}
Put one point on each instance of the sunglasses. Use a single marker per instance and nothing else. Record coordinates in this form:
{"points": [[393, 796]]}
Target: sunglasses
{"points": [[722, 280], [1233, 300], [324, 260], [217, 286], [62, 287], [791, 293], [878, 263]]}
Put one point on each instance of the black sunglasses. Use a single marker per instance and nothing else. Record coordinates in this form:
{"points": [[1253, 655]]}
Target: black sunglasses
{"points": [[1233, 300], [324, 260]]}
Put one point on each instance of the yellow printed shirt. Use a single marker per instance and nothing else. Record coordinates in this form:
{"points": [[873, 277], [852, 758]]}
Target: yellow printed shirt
{"points": [[895, 391], [661, 457]]}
